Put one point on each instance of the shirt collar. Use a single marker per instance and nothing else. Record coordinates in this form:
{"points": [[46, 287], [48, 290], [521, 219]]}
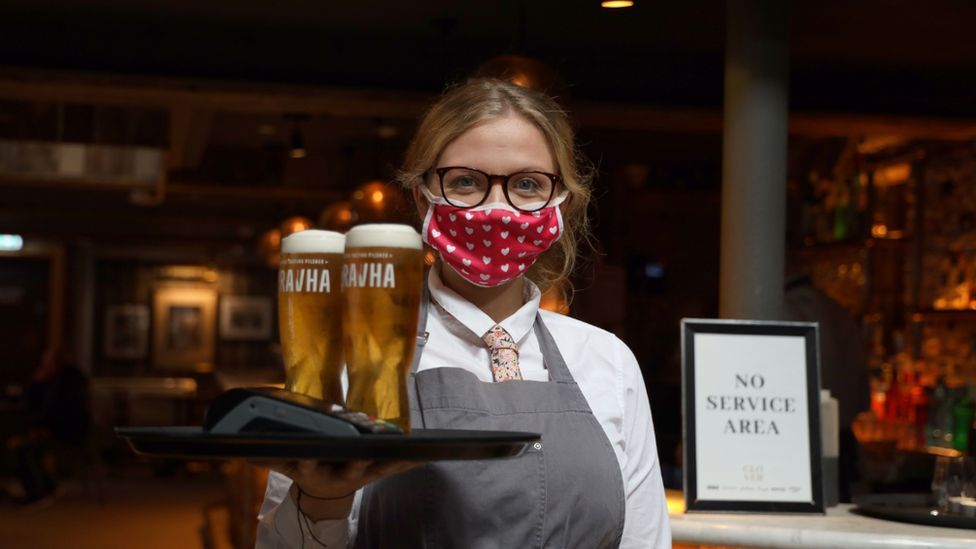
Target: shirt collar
{"points": [[517, 325]]}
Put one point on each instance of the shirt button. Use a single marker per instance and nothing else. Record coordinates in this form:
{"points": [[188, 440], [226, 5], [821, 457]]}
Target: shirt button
{"points": [[537, 445]]}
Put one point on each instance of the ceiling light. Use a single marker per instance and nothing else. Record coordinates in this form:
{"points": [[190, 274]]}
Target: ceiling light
{"points": [[616, 4], [294, 225], [387, 131]]}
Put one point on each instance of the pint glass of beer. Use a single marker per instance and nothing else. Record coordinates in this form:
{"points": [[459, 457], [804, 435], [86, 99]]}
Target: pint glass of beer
{"points": [[310, 313], [382, 284]]}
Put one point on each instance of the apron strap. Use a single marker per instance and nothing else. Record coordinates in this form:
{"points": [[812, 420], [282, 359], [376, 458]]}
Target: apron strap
{"points": [[551, 357], [421, 327]]}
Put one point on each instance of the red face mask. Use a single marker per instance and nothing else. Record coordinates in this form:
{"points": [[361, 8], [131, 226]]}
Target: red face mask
{"points": [[492, 244]]}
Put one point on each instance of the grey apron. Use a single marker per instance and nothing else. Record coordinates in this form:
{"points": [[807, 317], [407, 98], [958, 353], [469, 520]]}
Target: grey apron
{"points": [[565, 492]]}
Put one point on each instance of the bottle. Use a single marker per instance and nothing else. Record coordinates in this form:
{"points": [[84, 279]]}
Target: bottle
{"points": [[893, 397], [861, 202], [962, 413], [809, 212], [972, 427], [940, 425], [842, 214], [830, 443], [918, 414], [823, 227]]}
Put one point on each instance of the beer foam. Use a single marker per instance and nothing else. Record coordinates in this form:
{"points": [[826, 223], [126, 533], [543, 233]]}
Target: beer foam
{"points": [[388, 235], [312, 242]]}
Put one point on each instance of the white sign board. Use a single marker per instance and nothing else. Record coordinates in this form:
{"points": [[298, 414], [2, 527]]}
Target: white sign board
{"points": [[751, 416]]}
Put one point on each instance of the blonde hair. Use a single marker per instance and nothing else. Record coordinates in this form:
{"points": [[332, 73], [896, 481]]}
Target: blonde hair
{"points": [[482, 99]]}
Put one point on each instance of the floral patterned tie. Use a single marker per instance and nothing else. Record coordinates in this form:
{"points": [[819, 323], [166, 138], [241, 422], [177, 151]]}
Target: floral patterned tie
{"points": [[504, 355]]}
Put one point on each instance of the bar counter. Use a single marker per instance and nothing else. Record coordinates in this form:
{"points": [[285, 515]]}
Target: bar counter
{"points": [[839, 528]]}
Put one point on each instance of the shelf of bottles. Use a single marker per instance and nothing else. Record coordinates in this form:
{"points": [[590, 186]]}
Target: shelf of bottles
{"points": [[924, 392], [926, 403], [834, 208], [833, 214]]}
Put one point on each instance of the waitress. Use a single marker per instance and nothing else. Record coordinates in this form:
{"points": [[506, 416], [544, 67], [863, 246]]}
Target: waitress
{"points": [[492, 162]]}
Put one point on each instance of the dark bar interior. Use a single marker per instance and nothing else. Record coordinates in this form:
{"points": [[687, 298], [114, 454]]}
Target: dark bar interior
{"points": [[153, 155]]}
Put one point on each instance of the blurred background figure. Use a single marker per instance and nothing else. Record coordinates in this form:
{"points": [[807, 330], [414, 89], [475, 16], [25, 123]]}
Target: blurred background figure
{"points": [[59, 422], [843, 363]]}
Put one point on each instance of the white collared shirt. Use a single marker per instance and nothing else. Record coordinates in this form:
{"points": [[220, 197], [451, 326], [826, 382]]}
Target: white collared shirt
{"points": [[605, 370]]}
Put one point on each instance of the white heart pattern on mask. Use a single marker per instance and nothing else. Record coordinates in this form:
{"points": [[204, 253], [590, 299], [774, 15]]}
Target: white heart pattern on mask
{"points": [[457, 238]]}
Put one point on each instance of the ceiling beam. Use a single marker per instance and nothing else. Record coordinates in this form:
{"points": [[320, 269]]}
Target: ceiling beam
{"points": [[86, 88], [224, 193], [204, 96], [801, 124]]}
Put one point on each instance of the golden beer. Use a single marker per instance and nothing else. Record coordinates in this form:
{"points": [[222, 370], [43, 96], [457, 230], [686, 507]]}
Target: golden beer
{"points": [[382, 285], [310, 313]]}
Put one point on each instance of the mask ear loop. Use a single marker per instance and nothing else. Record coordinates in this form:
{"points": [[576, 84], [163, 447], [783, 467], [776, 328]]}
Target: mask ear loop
{"points": [[432, 198], [431, 201], [426, 227], [559, 211]]}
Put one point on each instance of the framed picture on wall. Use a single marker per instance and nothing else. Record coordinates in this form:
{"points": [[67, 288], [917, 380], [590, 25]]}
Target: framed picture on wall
{"points": [[245, 317], [126, 332], [183, 328]]}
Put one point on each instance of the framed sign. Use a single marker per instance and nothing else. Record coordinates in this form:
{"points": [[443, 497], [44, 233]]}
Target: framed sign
{"points": [[245, 317], [751, 405], [127, 332], [183, 328]]}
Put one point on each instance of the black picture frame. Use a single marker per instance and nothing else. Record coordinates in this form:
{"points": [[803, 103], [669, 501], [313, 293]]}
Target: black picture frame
{"points": [[810, 332]]}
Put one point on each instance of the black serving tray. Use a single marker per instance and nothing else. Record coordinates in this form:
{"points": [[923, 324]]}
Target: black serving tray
{"points": [[418, 445], [913, 508]]}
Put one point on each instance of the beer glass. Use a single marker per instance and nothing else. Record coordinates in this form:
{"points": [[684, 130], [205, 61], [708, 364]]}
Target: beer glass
{"points": [[382, 284], [310, 313]]}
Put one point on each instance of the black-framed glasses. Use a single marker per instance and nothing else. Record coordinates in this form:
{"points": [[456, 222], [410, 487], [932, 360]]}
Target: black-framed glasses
{"points": [[527, 191]]}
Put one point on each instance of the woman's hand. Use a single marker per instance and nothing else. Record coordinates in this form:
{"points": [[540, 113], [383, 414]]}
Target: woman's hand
{"points": [[328, 488]]}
